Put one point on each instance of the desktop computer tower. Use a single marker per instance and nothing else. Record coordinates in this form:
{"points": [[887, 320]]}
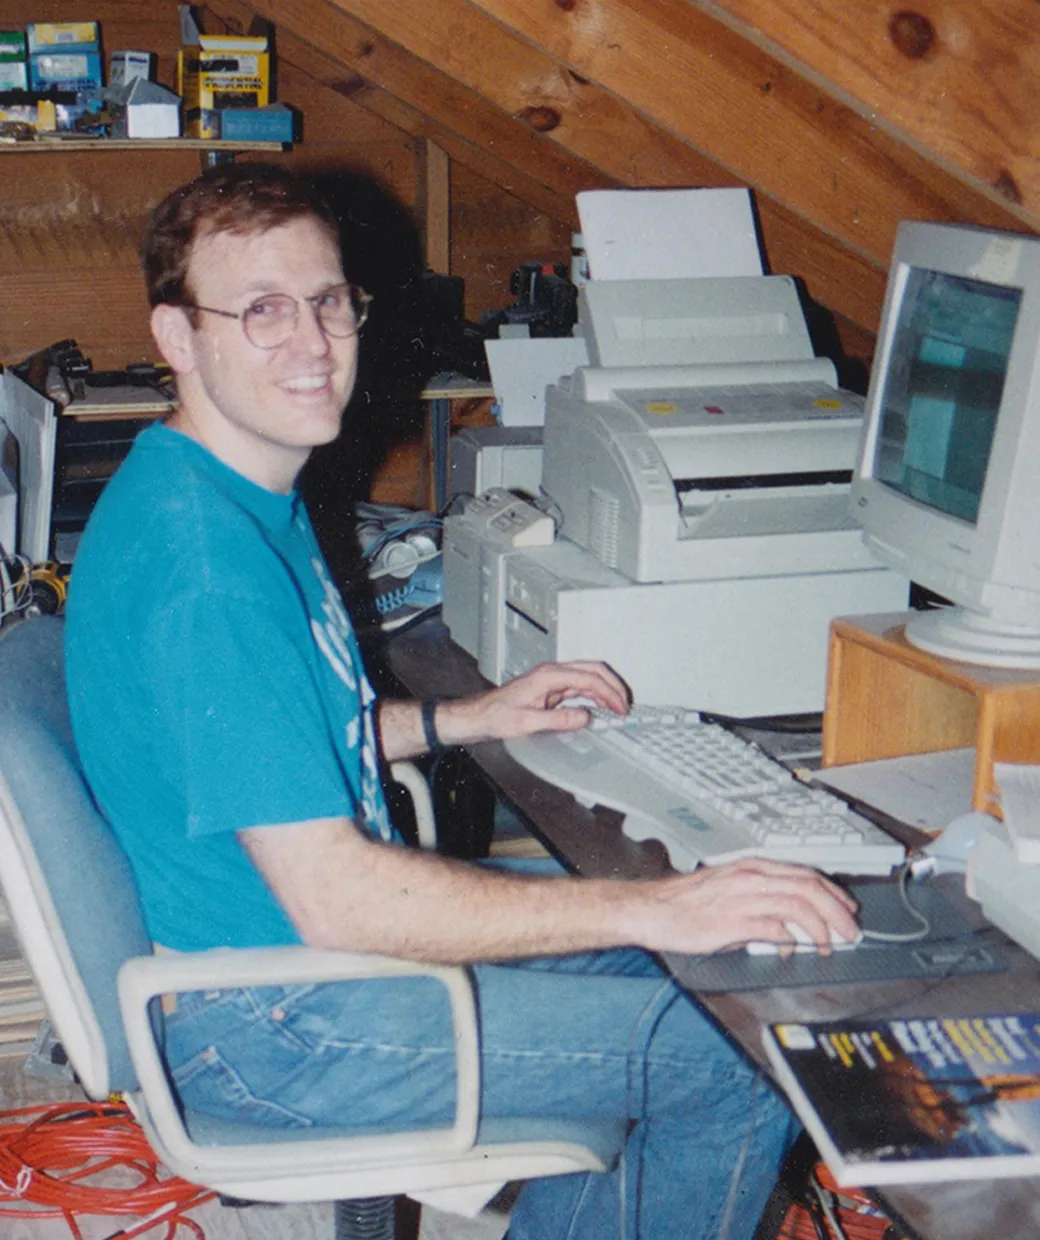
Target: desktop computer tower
{"points": [[745, 647]]}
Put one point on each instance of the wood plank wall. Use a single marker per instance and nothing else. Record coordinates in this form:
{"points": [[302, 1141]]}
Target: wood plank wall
{"points": [[70, 223]]}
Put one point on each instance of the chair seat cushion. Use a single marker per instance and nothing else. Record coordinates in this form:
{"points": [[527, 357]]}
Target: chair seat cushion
{"points": [[603, 1137]]}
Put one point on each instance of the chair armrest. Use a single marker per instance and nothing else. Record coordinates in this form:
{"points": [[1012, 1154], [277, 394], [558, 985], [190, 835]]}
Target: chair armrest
{"points": [[408, 775], [144, 978]]}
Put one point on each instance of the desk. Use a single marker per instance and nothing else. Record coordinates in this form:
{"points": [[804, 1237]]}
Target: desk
{"points": [[107, 404], [115, 403], [427, 663]]}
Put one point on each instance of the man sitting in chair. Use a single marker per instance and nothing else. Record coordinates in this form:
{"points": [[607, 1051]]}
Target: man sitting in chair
{"points": [[230, 736]]}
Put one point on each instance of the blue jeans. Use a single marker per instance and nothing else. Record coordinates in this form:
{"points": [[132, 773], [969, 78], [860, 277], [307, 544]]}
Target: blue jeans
{"points": [[588, 1035]]}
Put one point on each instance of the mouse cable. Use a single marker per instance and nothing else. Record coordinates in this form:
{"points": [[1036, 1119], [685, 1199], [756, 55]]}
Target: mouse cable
{"points": [[906, 936]]}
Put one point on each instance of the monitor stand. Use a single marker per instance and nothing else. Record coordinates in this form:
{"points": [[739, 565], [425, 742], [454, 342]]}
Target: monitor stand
{"points": [[969, 636], [887, 698]]}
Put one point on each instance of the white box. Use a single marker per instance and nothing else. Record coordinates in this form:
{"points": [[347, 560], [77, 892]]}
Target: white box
{"points": [[483, 457], [31, 420]]}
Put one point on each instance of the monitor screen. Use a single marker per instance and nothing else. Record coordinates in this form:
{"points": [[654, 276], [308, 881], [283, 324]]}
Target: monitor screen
{"points": [[945, 486], [943, 389]]}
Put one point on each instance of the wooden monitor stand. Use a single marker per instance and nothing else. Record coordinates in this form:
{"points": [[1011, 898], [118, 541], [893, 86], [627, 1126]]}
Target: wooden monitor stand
{"points": [[886, 699]]}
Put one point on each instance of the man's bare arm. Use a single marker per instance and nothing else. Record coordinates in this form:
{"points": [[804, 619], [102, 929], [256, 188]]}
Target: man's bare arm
{"points": [[344, 890], [530, 703]]}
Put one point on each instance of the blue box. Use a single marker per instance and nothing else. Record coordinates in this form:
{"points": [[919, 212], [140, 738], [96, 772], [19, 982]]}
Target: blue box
{"points": [[67, 69], [274, 123]]}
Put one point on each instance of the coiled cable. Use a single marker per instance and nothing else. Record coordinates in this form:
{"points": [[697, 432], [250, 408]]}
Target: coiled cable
{"points": [[52, 1155]]}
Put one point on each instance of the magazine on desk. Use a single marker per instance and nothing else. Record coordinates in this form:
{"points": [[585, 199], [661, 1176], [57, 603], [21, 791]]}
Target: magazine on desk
{"points": [[893, 1101]]}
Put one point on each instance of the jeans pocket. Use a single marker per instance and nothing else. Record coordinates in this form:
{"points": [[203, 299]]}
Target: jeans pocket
{"points": [[207, 1082]]}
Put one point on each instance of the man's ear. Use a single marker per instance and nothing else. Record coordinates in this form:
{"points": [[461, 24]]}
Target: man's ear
{"points": [[175, 337]]}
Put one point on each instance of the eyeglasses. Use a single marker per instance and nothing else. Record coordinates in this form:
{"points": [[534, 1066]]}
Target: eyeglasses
{"points": [[268, 322]]}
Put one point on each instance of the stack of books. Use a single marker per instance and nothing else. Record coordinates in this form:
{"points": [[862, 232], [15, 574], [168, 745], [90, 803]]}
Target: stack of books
{"points": [[21, 1008]]}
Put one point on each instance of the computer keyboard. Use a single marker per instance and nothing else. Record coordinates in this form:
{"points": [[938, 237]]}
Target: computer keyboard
{"points": [[706, 794]]}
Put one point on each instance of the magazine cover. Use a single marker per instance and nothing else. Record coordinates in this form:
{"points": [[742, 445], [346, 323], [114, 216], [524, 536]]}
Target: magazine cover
{"points": [[927, 1098]]}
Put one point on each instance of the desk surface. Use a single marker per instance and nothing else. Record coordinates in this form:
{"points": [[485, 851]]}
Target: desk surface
{"points": [[427, 663], [104, 404]]}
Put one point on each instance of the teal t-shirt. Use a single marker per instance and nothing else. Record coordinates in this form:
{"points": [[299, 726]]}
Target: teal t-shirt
{"points": [[215, 684]]}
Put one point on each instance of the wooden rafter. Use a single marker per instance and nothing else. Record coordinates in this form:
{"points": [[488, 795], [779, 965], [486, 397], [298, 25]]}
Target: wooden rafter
{"points": [[956, 80], [546, 98], [592, 149]]}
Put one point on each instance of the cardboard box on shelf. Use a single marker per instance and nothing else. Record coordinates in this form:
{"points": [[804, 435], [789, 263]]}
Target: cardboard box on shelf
{"points": [[71, 70], [222, 73], [271, 124], [63, 36], [128, 66], [142, 109], [14, 63]]}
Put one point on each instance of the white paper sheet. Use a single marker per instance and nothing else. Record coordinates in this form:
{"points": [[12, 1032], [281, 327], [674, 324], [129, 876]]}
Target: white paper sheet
{"points": [[923, 790], [664, 234], [521, 370], [1019, 786]]}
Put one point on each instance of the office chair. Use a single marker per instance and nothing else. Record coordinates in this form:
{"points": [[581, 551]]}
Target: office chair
{"points": [[75, 908]]}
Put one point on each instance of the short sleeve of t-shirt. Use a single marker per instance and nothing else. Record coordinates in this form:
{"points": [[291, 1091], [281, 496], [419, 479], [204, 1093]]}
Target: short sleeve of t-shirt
{"points": [[246, 722]]}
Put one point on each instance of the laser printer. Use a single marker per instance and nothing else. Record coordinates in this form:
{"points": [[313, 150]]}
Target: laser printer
{"points": [[698, 472]]}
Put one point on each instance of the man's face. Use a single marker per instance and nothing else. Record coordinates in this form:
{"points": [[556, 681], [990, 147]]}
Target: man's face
{"points": [[269, 404]]}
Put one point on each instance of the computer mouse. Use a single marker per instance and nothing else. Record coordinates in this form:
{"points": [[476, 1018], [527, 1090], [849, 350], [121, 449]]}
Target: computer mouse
{"points": [[949, 850], [802, 942], [583, 702]]}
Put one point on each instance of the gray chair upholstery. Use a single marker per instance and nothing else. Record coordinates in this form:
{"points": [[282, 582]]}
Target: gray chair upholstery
{"points": [[74, 905]]}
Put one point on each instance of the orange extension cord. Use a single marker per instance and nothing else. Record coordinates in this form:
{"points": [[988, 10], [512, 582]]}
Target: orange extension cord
{"points": [[852, 1210], [49, 1153]]}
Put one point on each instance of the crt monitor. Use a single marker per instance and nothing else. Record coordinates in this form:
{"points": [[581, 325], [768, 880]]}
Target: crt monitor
{"points": [[947, 485]]}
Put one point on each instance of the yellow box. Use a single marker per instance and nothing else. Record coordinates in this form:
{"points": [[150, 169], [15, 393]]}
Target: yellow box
{"points": [[59, 36], [223, 72]]}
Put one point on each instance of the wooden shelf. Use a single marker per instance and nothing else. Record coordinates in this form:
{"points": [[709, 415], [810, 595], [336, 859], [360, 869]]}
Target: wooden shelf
{"points": [[52, 145]]}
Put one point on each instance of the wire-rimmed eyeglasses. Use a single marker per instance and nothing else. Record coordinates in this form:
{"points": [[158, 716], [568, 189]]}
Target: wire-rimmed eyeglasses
{"points": [[268, 322]]}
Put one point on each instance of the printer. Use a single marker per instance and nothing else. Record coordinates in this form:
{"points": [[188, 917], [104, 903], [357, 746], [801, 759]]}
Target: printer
{"points": [[698, 472]]}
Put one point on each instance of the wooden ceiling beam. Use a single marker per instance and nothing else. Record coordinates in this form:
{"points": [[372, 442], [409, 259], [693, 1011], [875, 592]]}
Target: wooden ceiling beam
{"points": [[589, 124], [426, 102], [696, 78], [557, 204], [433, 196], [957, 79], [597, 142]]}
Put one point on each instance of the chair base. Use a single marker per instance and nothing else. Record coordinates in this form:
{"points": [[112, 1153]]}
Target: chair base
{"points": [[369, 1218]]}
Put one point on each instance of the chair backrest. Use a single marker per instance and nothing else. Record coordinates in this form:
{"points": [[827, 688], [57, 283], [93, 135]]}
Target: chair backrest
{"points": [[67, 882]]}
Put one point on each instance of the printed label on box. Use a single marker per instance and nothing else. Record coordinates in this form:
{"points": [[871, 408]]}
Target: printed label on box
{"points": [[46, 35]]}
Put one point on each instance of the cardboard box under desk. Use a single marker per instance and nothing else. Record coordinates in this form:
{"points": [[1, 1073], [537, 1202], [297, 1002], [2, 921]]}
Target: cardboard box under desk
{"points": [[886, 699]]}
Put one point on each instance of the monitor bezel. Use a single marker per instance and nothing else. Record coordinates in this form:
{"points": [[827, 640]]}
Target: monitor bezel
{"points": [[986, 566]]}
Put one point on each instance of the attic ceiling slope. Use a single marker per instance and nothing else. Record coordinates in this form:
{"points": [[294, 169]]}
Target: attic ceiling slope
{"points": [[536, 89], [585, 127], [502, 163], [693, 76], [957, 78], [369, 58]]}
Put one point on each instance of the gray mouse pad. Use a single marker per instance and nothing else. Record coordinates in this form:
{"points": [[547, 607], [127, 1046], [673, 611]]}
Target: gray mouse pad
{"points": [[951, 947]]}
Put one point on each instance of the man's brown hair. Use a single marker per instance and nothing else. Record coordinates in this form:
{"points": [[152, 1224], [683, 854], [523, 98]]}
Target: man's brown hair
{"points": [[233, 198]]}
